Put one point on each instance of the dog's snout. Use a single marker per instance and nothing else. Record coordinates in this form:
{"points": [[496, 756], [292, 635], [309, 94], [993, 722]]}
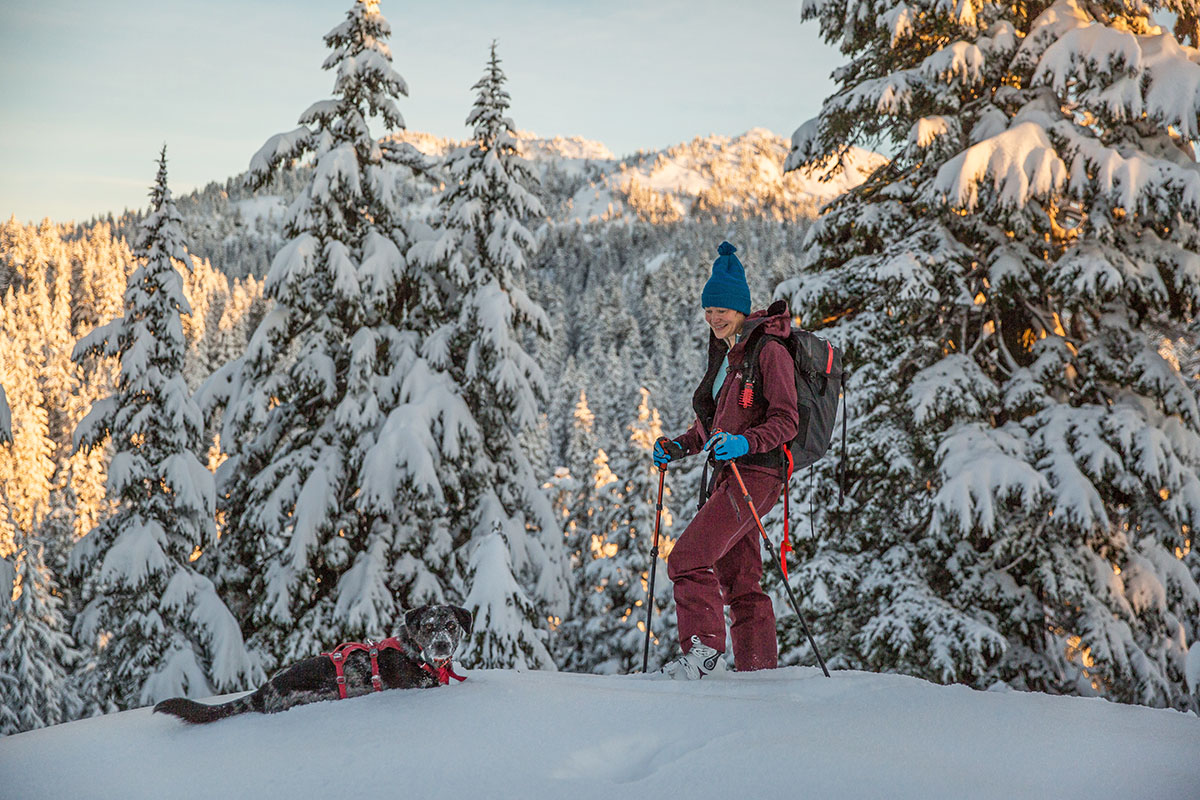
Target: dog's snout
{"points": [[441, 643]]}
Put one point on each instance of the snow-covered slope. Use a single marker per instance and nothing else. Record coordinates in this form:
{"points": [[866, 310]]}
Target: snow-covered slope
{"points": [[711, 177], [739, 175], [742, 175], [786, 733]]}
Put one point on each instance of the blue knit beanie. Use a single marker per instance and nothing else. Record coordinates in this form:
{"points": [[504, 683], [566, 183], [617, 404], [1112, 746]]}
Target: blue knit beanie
{"points": [[727, 288]]}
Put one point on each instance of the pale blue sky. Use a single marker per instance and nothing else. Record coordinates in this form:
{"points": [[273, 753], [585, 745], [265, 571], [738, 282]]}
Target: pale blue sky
{"points": [[93, 88]]}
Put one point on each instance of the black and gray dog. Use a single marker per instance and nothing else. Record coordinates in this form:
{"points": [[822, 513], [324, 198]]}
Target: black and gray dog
{"points": [[430, 636]]}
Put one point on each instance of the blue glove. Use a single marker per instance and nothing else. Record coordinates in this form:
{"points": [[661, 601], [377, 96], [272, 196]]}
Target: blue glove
{"points": [[727, 446], [666, 450]]}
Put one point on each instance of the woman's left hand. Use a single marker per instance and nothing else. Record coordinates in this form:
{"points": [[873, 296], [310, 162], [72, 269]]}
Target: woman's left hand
{"points": [[727, 446]]}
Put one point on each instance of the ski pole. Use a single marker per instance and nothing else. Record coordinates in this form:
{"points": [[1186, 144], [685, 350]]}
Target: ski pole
{"points": [[771, 550], [662, 473]]}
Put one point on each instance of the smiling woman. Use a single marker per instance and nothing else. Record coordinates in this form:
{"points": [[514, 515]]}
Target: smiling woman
{"points": [[716, 562]]}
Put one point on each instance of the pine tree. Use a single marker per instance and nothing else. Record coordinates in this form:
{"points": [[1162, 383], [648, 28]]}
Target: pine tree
{"points": [[506, 632], [5, 419], [640, 494], [26, 464], [606, 630], [1025, 462], [154, 624], [576, 488], [101, 266], [10, 685], [36, 651], [479, 251], [615, 347], [571, 387], [332, 494]]}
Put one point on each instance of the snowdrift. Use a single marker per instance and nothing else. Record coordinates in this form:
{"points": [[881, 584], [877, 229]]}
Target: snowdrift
{"points": [[785, 733]]}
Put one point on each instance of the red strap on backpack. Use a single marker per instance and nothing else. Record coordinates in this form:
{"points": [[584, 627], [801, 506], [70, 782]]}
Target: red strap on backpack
{"points": [[786, 547]]}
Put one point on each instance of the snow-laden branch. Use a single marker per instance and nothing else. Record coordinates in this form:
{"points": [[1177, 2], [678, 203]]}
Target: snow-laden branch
{"points": [[1022, 163]]}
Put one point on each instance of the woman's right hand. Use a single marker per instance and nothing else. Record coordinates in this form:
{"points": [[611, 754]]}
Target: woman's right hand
{"points": [[666, 451]]}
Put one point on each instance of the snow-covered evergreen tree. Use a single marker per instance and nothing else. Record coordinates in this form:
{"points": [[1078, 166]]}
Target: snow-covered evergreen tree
{"points": [[479, 253], [507, 631], [570, 388], [614, 346], [154, 624], [9, 685], [1025, 463], [612, 524], [26, 463], [335, 418], [576, 489], [36, 650], [5, 418]]}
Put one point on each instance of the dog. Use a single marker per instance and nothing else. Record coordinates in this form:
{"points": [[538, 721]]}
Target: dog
{"points": [[417, 657]]}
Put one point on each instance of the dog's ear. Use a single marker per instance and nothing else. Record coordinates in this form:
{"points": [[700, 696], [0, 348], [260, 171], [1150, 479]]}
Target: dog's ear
{"points": [[464, 618], [412, 619]]}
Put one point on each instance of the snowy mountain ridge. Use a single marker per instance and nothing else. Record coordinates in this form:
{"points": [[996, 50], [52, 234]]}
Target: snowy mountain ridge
{"points": [[710, 175], [709, 179], [502, 734]]}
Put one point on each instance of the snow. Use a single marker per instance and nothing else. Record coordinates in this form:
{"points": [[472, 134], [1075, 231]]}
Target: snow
{"points": [[736, 166], [136, 554], [1021, 161], [980, 466], [503, 734], [671, 176], [5, 418], [574, 150], [656, 263], [1193, 668], [262, 212]]}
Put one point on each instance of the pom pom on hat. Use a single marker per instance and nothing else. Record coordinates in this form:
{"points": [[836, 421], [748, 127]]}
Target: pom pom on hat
{"points": [[727, 288]]}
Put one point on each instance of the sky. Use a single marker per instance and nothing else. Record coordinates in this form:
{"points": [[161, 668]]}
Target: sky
{"points": [[92, 90]]}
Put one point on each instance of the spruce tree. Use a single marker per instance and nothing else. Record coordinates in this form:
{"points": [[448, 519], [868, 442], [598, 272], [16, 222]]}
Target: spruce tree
{"points": [[608, 621], [153, 624], [26, 462], [506, 633], [479, 252], [5, 418], [36, 649], [571, 387], [332, 494], [577, 487], [1025, 463]]}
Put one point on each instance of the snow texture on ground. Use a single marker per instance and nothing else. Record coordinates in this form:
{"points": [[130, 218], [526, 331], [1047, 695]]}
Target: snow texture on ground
{"points": [[502, 734]]}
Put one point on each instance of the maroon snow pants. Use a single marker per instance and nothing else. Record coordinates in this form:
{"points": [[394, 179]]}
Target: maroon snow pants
{"points": [[716, 562]]}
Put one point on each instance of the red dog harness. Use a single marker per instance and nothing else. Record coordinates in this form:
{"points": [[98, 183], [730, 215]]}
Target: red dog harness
{"points": [[444, 671]]}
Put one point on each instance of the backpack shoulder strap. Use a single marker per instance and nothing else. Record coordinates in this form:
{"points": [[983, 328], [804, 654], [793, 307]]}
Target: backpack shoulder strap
{"points": [[750, 370], [750, 362]]}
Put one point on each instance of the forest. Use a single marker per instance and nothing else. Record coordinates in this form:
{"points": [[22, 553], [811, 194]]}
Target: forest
{"points": [[381, 370]]}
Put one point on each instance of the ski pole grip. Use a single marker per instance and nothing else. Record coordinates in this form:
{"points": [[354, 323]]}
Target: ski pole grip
{"points": [[672, 448]]}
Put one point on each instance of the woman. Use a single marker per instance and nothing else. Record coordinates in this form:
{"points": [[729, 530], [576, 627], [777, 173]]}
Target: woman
{"points": [[716, 561]]}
